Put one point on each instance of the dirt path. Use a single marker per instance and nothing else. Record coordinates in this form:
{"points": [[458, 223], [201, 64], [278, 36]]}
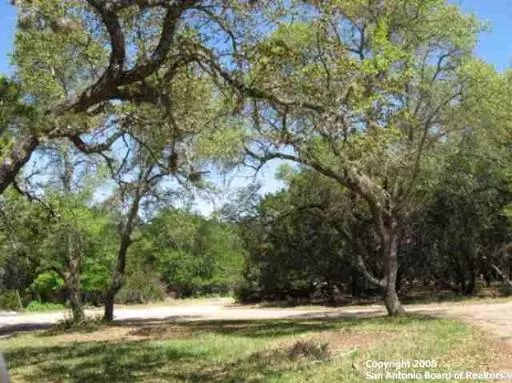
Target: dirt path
{"points": [[493, 317]]}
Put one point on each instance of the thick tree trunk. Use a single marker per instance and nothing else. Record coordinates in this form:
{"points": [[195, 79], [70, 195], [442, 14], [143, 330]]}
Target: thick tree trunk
{"points": [[15, 160], [109, 305], [75, 301], [393, 305], [117, 280], [387, 284], [75, 250], [75, 292]]}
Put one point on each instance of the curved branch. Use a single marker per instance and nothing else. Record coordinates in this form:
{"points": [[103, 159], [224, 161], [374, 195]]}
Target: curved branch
{"points": [[158, 57], [95, 148]]}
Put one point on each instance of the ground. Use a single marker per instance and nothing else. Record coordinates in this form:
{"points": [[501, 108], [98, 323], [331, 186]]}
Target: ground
{"points": [[216, 341]]}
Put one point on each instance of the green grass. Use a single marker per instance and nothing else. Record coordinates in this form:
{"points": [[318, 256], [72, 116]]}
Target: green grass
{"points": [[242, 351], [36, 306]]}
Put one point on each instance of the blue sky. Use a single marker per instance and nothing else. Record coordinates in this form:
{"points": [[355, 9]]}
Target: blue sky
{"points": [[8, 17], [495, 47]]}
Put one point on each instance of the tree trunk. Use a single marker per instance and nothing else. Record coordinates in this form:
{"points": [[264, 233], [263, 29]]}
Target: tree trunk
{"points": [[73, 288], [72, 279], [502, 275], [108, 315], [17, 158], [18, 298], [393, 305], [117, 281], [119, 271], [75, 301], [387, 284], [75, 248]]}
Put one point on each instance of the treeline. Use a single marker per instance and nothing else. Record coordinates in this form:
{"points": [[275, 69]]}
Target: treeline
{"points": [[177, 253], [307, 241]]}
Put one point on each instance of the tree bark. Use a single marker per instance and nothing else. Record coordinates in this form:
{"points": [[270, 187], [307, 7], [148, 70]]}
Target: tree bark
{"points": [[17, 158], [72, 277], [502, 275], [119, 271], [108, 315], [393, 305], [75, 298], [74, 242], [117, 279]]}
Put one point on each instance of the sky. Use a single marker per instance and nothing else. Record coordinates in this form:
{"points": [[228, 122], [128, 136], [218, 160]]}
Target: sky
{"points": [[494, 47]]}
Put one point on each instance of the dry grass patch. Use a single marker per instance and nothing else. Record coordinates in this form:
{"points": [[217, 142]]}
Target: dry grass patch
{"points": [[497, 355], [163, 332], [125, 333], [101, 335], [343, 340]]}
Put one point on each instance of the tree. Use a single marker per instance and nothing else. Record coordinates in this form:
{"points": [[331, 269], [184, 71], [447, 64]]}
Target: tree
{"points": [[303, 241], [101, 59], [162, 158], [364, 93], [63, 224], [193, 255], [78, 61]]}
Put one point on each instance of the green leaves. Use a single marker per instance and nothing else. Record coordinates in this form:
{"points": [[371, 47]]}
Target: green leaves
{"points": [[56, 54], [192, 254]]}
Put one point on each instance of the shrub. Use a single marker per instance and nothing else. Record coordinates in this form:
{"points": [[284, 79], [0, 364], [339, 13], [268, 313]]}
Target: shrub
{"points": [[141, 287], [9, 300], [505, 289], [246, 293], [36, 306]]}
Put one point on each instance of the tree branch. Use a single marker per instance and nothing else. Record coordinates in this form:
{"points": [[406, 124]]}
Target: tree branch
{"points": [[94, 148], [169, 27]]}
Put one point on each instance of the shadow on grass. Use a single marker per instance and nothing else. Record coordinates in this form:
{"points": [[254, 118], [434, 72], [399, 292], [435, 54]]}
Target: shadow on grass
{"points": [[128, 360], [93, 361], [23, 327], [273, 328], [139, 361]]}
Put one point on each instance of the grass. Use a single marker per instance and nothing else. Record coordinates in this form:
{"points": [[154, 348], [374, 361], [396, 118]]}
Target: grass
{"points": [[326, 350], [36, 306]]}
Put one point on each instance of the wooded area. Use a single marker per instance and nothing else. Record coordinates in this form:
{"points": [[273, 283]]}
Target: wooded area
{"points": [[393, 139]]}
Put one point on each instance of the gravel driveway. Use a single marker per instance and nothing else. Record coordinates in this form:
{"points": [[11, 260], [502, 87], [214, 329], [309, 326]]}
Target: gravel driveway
{"points": [[494, 317]]}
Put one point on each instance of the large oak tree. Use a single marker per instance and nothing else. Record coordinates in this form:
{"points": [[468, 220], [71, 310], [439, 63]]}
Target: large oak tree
{"points": [[364, 92]]}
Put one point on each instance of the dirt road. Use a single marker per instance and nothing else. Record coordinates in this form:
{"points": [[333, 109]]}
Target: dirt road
{"points": [[492, 316], [495, 318]]}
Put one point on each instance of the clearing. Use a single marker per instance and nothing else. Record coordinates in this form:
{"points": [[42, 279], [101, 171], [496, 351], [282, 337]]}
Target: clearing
{"points": [[217, 341]]}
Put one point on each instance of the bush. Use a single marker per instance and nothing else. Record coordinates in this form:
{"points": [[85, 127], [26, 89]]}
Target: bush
{"points": [[9, 300], [245, 293], [505, 289], [48, 286], [36, 306], [141, 287]]}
